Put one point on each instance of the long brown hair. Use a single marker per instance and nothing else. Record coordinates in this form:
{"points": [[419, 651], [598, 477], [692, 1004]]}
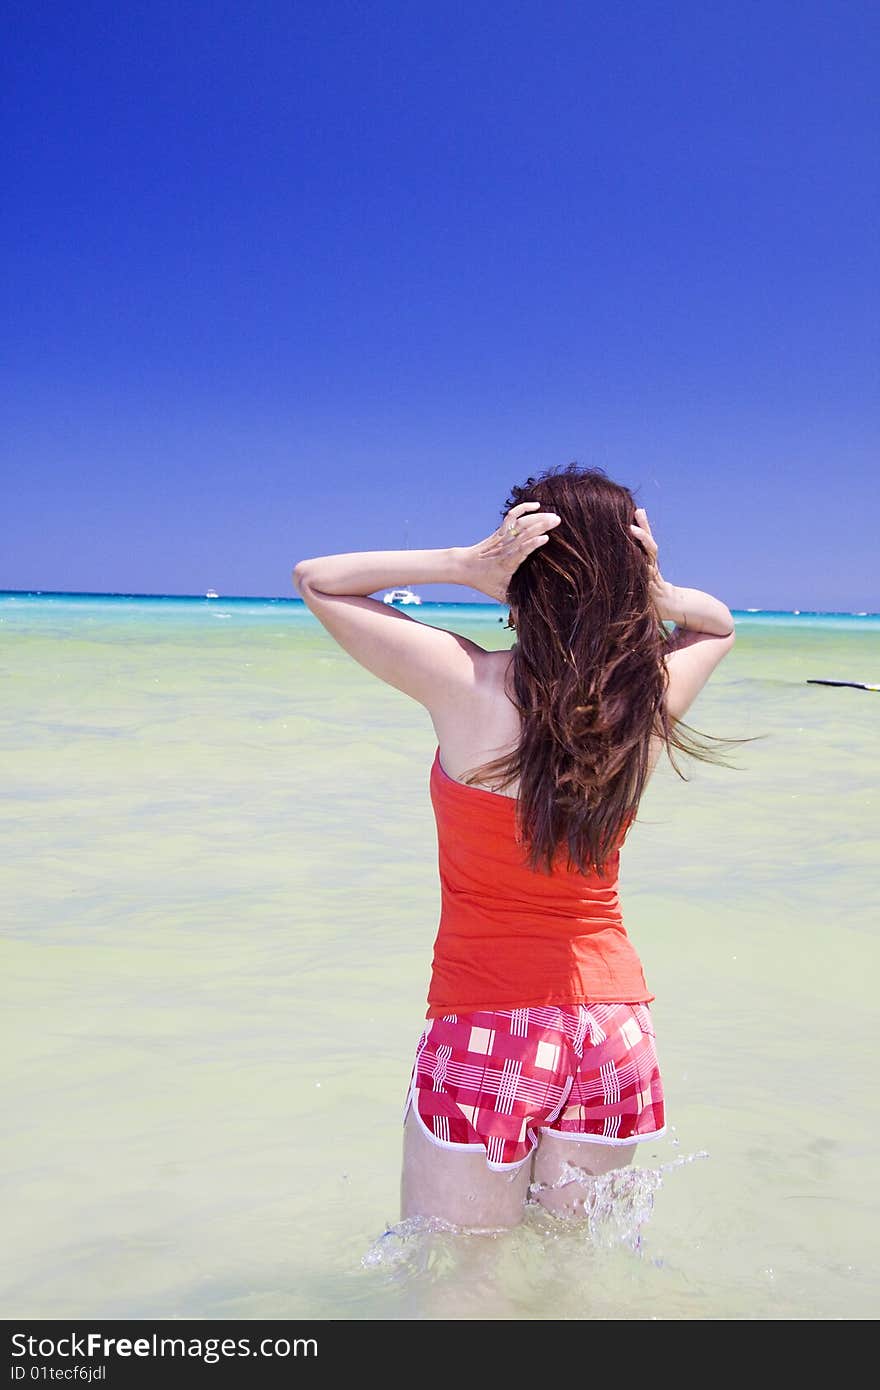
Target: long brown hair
{"points": [[588, 673]]}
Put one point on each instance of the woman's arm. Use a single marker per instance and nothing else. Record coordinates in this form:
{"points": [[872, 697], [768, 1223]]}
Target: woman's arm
{"points": [[703, 635], [365, 571], [486, 566], [436, 667], [693, 609]]}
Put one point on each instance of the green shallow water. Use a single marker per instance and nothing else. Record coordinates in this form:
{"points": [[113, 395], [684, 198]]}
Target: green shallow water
{"points": [[221, 897]]}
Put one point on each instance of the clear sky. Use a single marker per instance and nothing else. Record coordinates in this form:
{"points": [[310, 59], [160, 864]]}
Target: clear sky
{"points": [[284, 279]]}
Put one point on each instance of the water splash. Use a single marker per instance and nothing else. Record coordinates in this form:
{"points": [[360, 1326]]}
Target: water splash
{"points": [[614, 1207], [611, 1210]]}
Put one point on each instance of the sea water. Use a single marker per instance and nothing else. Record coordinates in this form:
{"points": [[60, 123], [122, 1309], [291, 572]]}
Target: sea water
{"points": [[220, 895]]}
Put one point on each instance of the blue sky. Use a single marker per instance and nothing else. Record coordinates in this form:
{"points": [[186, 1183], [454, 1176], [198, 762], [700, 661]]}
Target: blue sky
{"points": [[284, 279]]}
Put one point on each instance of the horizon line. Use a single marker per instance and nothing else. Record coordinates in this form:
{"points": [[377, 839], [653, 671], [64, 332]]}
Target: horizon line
{"points": [[444, 603]]}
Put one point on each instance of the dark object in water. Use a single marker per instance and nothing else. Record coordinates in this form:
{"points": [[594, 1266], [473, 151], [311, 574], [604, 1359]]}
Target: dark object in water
{"points": [[856, 685]]}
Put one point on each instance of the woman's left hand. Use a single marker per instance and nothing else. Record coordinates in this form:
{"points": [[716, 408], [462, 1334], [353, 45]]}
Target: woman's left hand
{"points": [[489, 564]]}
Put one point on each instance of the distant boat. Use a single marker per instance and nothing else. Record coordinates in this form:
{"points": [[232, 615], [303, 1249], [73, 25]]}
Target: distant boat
{"points": [[754, 610], [401, 596], [212, 593]]}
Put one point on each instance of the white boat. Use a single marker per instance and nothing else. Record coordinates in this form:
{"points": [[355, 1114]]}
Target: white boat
{"points": [[404, 595], [401, 596], [212, 593]]}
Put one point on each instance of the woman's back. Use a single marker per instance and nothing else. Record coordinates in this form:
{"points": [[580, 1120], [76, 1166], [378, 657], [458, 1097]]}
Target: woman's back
{"points": [[511, 936], [486, 724]]}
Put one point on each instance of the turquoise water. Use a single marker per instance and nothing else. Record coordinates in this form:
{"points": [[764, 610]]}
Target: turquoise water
{"points": [[220, 889]]}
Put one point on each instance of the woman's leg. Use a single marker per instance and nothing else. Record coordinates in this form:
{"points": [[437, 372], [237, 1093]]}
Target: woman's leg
{"points": [[564, 1170], [617, 1084], [457, 1185]]}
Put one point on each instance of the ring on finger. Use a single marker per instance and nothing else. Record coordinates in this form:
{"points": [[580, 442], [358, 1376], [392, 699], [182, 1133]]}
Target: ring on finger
{"points": [[513, 528]]}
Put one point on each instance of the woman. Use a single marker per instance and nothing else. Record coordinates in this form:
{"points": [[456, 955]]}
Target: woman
{"points": [[537, 1069]]}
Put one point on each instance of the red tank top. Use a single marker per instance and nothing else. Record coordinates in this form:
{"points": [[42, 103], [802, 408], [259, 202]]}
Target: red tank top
{"points": [[511, 937]]}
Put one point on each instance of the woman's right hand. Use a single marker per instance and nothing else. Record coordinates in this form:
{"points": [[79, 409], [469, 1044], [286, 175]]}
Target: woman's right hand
{"points": [[687, 608], [642, 533]]}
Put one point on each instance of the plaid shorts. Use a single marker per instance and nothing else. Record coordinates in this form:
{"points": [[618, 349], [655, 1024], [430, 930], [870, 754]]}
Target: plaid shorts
{"points": [[578, 1071]]}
